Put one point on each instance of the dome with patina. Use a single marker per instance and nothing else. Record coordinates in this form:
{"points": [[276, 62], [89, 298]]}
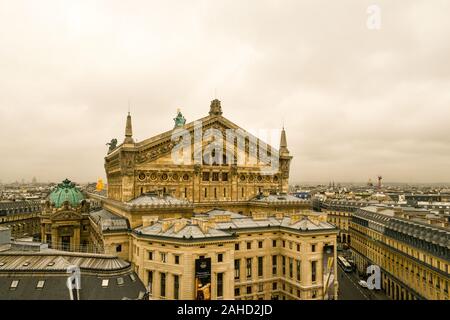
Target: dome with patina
{"points": [[66, 191]]}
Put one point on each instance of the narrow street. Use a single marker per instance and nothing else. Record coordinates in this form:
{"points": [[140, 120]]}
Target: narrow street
{"points": [[349, 289]]}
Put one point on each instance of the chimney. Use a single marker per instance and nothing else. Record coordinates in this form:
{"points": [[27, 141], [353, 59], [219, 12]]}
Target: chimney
{"points": [[202, 224], [167, 224], [179, 225], [259, 216]]}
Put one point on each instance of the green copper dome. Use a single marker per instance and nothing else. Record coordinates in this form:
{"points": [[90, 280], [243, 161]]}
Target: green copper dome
{"points": [[66, 191]]}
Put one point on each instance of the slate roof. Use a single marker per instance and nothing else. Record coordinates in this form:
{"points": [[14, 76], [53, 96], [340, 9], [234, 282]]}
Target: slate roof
{"points": [[150, 199], [190, 231], [27, 269], [54, 287], [108, 221], [57, 260], [282, 198], [236, 222]]}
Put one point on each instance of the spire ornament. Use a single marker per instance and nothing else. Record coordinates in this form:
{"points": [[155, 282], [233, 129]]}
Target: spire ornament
{"points": [[180, 120], [128, 131], [215, 109]]}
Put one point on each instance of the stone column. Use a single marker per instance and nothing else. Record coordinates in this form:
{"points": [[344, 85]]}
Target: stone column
{"points": [[55, 239]]}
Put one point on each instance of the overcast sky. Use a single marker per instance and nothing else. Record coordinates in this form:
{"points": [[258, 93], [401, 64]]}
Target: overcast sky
{"points": [[355, 102]]}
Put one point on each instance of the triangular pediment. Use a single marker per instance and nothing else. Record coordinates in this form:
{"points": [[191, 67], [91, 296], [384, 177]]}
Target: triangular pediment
{"points": [[158, 149], [66, 215]]}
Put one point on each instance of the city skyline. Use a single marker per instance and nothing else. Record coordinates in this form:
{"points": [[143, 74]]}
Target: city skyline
{"points": [[377, 105]]}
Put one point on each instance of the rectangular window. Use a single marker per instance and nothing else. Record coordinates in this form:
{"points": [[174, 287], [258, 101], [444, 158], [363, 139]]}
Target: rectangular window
{"points": [[274, 265], [313, 271], [225, 176], [163, 257], [313, 248], [249, 245], [205, 176], [260, 244], [274, 243], [176, 287], [284, 244], [249, 267], [261, 287], [177, 259], [237, 292], [236, 246], [150, 282], [291, 268], [224, 192], [219, 284], [274, 286], [298, 270], [260, 266], [283, 265], [206, 193], [237, 269], [249, 290], [298, 247], [220, 257], [215, 176], [105, 283], [163, 284], [119, 248]]}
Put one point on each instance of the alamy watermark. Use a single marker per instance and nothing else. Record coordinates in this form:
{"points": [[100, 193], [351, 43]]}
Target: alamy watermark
{"points": [[217, 146], [374, 280], [74, 281], [373, 17]]}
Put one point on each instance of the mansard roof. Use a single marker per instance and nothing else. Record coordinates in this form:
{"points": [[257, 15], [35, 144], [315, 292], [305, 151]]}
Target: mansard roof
{"points": [[108, 221]]}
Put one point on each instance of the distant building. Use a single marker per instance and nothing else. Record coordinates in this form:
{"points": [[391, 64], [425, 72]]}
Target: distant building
{"points": [[65, 219], [21, 217], [28, 271], [411, 246]]}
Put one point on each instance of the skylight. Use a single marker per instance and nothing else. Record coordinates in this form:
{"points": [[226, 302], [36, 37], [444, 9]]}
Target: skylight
{"points": [[14, 284], [40, 284]]}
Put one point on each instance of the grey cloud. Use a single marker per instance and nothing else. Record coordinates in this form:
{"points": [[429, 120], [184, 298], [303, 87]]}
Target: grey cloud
{"points": [[355, 103]]}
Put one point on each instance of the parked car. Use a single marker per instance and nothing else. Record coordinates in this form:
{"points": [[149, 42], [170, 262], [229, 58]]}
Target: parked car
{"points": [[363, 283]]}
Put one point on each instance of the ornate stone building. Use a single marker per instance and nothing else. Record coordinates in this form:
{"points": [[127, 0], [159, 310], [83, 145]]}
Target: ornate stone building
{"points": [[184, 200], [211, 172], [21, 217], [65, 219], [411, 246]]}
